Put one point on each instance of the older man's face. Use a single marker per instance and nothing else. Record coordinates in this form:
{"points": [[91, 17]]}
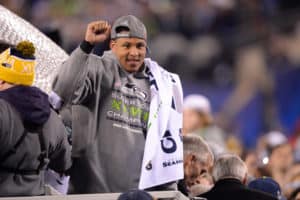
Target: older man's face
{"points": [[196, 172], [130, 52]]}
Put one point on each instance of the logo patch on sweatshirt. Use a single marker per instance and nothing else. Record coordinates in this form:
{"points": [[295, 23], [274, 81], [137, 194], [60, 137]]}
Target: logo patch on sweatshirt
{"points": [[128, 109]]}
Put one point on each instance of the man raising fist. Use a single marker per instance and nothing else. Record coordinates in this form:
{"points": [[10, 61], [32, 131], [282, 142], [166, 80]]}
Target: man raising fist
{"points": [[112, 122]]}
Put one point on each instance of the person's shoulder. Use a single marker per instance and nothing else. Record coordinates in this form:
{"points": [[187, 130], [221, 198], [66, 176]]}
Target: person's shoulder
{"points": [[212, 195], [239, 192], [9, 116], [169, 73], [108, 59], [54, 124], [153, 65], [5, 106], [259, 195], [3, 102], [107, 55], [205, 194]]}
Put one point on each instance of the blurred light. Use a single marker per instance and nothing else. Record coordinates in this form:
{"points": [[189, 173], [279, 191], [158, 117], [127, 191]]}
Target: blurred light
{"points": [[265, 160]]}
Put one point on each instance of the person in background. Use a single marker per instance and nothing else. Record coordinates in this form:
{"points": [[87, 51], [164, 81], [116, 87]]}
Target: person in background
{"points": [[230, 175], [251, 160], [267, 185], [198, 119], [292, 180], [295, 194], [279, 157], [32, 135], [135, 195], [198, 162]]}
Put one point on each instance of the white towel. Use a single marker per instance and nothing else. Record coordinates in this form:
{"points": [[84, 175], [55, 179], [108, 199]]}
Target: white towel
{"points": [[163, 153]]}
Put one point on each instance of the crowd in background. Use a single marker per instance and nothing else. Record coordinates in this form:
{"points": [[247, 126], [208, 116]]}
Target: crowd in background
{"points": [[236, 48], [198, 34], [240, 44]]}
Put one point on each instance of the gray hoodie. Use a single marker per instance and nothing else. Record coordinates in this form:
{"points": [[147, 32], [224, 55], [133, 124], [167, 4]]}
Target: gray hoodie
{"points": [[110, 115]]}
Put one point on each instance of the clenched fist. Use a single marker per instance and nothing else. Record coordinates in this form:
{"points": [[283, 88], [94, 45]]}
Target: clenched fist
{"points": [[97, 31]]}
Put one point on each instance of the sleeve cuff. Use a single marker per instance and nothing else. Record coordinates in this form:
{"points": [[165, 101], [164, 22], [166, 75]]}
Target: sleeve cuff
{"points": [[55, 100], [86, 47]]}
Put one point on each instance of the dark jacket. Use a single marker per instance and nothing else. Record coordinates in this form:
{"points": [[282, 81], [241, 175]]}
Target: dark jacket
{"points": [[233, 189], [32, 137]]}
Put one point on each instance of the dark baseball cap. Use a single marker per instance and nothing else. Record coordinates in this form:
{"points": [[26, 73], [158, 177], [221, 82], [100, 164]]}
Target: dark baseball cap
{"points": [[136, 28], [268, 185], [135, 195]]}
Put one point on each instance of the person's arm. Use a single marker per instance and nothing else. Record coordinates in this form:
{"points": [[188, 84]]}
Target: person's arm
{"points": [[72, 80], [59, 147], [5, 115]]}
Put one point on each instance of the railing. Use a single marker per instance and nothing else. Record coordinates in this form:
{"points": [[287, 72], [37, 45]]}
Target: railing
{"points": [[162, 195]]}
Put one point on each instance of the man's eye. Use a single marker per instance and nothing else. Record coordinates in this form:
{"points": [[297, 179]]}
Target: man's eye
{"points": [[126, 46], [194, 176], [141, 45]]}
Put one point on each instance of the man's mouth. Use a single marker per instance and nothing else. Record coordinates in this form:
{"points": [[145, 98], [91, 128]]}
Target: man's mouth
{"points": [[132, 61]]}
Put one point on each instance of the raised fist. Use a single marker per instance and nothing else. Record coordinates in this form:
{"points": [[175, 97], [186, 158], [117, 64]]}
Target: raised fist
{"points": [[97, 31]]}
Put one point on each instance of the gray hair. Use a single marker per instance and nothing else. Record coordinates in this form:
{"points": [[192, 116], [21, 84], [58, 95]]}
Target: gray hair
{"points": [[229, 166], [193, 144]]}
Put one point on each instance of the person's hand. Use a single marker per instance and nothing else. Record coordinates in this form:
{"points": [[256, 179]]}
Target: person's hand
{"points": [[97, 31]]}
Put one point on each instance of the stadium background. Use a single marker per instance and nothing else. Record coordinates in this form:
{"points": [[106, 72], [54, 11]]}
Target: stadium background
{"points": [[219, 48]]}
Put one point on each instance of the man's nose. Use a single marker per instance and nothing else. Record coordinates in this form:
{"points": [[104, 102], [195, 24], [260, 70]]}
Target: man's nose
{"points": [[196, 182], [133, 51]]}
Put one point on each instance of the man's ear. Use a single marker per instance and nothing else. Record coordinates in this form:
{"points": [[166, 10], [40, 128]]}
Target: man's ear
{"points": [[112, 43]]}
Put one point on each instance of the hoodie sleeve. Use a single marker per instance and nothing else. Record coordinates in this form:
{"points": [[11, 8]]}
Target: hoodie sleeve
{"points": [[76, 80]]}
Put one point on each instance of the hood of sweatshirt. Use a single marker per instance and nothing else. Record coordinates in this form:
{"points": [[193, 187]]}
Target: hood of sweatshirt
{"points": [[31, 103]]}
